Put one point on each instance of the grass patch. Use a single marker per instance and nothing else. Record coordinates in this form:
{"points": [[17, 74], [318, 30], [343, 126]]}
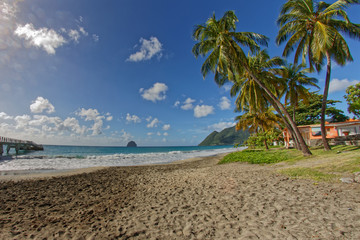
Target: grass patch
{"points": [[257, 156], [308, 173]]}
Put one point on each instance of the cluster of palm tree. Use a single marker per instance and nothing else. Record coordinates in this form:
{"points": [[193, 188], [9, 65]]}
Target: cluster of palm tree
{"points": [[313, 29]]}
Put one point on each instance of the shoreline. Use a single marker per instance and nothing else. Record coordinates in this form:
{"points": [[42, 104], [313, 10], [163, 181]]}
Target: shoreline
{"points": [[18, 175], [193, 199]]}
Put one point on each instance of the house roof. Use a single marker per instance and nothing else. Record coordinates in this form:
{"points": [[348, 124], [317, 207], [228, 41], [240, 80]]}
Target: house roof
{"points": [[337, 124]]}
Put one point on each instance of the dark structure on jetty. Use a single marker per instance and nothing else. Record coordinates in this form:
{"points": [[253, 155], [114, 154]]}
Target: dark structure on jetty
{"points": [[18, 145]]}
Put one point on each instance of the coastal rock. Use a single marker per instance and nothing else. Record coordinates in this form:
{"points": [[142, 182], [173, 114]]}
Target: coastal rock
{"points": [[131, 144]]}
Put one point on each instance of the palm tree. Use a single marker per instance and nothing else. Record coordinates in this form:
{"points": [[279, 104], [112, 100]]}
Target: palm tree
{"points": [[257, 122], [296, 80], [315, 30], [228, 61], [250, 95]]}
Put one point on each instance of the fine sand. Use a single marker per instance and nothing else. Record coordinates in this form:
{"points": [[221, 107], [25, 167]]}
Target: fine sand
{"points": [[195, 199]]}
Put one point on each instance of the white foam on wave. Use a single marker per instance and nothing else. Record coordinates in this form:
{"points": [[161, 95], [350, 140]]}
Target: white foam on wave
{"points": [[120, 159]]}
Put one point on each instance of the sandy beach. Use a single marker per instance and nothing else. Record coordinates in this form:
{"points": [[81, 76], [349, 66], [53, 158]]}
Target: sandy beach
{"points": [[195, 199]]}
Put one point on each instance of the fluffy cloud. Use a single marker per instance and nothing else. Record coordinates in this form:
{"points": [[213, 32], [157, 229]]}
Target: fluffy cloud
{"points": [[188, 104], [221, 126], [92, 115], [155, 93], [44, 38], [177, 103], [89, 114], [4, 116], [132, 118], [203, 110], [341, 85], [41, 104], [153, 123], [166, 127], [148, 49], [224, 103]]}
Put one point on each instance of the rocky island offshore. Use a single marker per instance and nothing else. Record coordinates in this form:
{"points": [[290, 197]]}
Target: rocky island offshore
{"points": [[131, 144]]}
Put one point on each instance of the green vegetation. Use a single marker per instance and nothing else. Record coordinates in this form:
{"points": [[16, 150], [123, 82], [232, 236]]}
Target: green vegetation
{"points": [[322, 166], [353, 99], [257, 156], [315, 31], [309, 111], [312, 29], [228, 136], [308, 173]]}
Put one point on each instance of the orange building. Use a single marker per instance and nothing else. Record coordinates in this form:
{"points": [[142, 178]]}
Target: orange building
{"points": [[312, 133]]}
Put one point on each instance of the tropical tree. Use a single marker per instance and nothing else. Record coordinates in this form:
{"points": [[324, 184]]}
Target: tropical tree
{"points": [[296, 80], [227, 60], [258, 122], [314, 29], [309, 111], [353, 99]]}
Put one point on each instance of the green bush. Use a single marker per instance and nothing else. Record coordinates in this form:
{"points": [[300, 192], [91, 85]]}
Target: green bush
{"points": [[256, 156]]}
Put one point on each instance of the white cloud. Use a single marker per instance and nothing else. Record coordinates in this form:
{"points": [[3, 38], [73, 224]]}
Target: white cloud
{"points": [[153, 123], [177, 103], [155, 93], [203, 110], [166, 134], [41, 104], [7, 11], [150, 133], [82, 30], [74, 35], [227, 87], [109, 118], [158, 133], [48, 39], [95, 37], [132, 118], [224, 103], [341, 85], [92, 115], [166, 127], [148, 49], [188, 104], [221, 126], [4, 116], [89, 114]]}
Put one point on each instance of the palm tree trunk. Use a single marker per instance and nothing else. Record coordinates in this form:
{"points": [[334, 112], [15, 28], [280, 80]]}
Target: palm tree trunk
{"points": [[324, 102], [266, 145], [288, 126], [294, 113], [304, 148]]}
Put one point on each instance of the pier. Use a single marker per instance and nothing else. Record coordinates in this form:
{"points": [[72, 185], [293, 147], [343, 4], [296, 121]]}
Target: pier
{"points": [[18, 145]]}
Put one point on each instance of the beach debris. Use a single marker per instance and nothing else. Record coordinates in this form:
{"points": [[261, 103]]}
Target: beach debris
{"points": [[347, 180]]}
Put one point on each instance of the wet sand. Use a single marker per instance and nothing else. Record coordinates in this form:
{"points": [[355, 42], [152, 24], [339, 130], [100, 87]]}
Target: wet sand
{"points": [[195, 199]]}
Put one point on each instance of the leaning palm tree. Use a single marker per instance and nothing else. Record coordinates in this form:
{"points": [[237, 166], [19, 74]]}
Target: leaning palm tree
{"points": [[314, 30], [254, 98], [227, 60], [296, 80]]}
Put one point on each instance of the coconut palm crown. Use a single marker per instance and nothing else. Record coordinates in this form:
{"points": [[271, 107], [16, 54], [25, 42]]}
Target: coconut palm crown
{"points": [[313, 28], [218, 40]]}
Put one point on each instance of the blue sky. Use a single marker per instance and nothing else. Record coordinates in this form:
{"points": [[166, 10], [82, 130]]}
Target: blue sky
{"points": [[107, 72]]}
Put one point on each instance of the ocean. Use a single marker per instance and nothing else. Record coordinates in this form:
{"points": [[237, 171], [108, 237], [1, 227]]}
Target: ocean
{"points": [[75, 157]]}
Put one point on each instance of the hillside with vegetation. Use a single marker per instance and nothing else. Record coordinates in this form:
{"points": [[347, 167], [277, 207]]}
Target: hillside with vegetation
{"points": [[228, 136]]}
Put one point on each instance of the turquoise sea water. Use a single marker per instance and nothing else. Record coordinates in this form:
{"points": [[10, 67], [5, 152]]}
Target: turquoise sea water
{"points": [[74, 157]]}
